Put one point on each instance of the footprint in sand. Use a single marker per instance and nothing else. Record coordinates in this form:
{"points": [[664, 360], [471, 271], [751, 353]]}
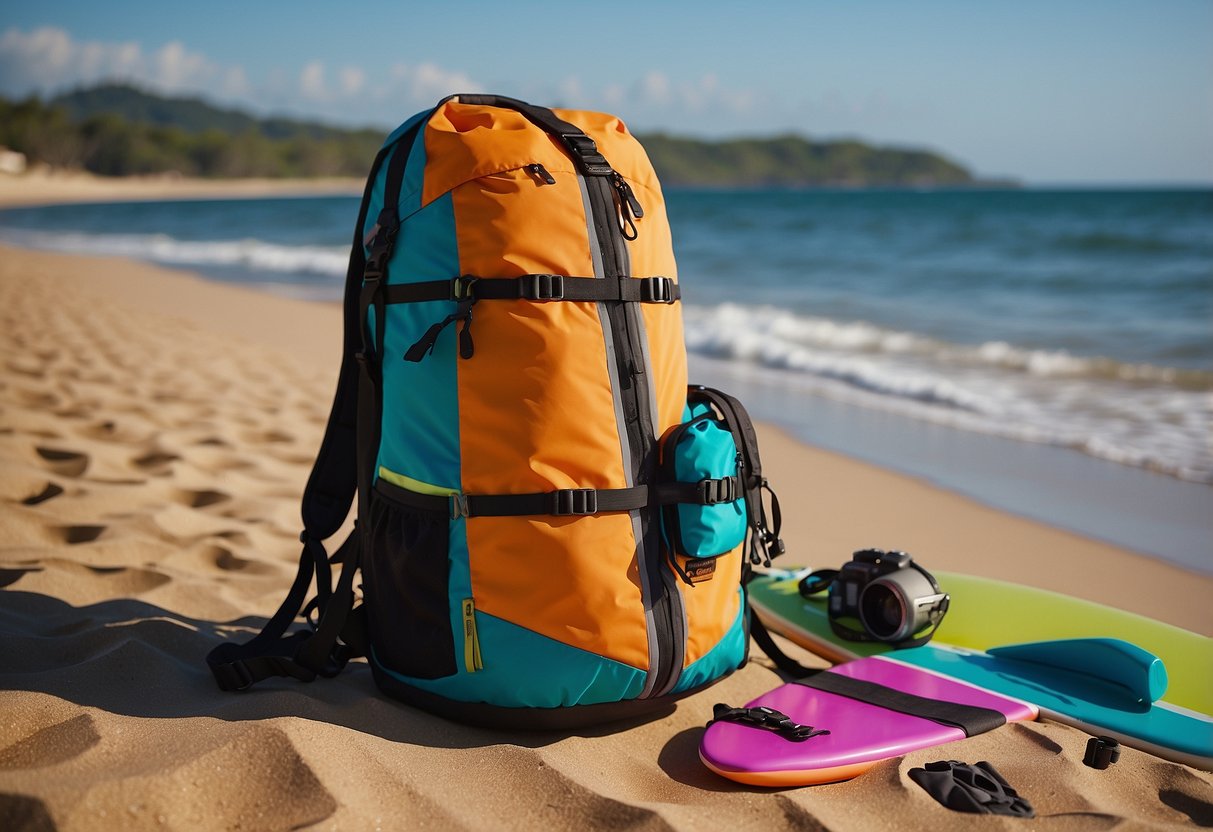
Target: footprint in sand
{"points": [[49, 492], [227, 561], [64, 462], [51, 745], [201, 498], [8, 577], [155, 462], [80, 533]]}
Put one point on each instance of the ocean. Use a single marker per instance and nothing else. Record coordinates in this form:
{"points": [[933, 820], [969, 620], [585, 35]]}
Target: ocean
{"points": [[1069, 331]]}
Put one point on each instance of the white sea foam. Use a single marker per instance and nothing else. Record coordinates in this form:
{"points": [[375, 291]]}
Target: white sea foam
{"points": [[1150, 417], [251, 254]]}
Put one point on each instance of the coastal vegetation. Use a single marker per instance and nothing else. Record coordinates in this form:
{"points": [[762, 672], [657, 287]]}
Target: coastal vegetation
{"points": [[116, 130]]}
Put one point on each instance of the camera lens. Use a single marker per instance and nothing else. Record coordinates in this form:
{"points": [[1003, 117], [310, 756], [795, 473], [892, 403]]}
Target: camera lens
{"points": [[882, 611]]}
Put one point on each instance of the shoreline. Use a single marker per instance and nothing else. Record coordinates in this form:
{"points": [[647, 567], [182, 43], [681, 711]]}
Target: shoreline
{"points": [[156, 432], [43, 188]]}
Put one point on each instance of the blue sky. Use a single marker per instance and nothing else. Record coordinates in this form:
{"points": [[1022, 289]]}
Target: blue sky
{"points": [[1081, 92]]}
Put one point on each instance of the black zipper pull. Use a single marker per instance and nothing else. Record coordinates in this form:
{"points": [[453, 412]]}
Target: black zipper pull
{"points": [[541, 172], [629, 206], [627, 195]]}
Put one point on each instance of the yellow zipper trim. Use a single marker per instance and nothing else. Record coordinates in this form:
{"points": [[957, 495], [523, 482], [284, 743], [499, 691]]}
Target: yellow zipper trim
{"points": [[414, 485], [471, 640]]}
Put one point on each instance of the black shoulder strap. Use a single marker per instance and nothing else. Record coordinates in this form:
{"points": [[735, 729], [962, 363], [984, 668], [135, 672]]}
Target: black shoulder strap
{"points": [[765, 542], [327, 498]]}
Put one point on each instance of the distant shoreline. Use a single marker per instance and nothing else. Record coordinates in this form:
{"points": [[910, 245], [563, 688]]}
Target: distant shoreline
{"points": [[61, 187]]}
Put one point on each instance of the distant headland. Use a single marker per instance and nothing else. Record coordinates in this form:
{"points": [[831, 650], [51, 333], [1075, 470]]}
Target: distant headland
{"points": [[119, 130]]}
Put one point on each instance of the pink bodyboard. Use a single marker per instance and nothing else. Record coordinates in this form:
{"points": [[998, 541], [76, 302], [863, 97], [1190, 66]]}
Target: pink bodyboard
{"points": [[861, 734]]}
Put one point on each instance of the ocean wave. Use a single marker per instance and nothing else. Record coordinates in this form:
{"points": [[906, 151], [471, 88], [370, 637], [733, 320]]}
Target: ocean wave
{"points": [[251, 254], [771, 335], [1148, 417]]}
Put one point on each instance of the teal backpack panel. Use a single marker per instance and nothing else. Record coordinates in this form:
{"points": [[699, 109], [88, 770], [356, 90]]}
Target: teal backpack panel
{"points": [[726, 656], [422, 442], [522, 669]]}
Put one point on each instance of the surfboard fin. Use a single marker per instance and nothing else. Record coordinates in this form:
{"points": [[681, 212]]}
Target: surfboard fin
{"points": [[1107, 659]]}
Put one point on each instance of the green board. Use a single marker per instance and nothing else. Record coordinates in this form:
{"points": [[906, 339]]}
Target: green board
{"points": [[986, 613]]}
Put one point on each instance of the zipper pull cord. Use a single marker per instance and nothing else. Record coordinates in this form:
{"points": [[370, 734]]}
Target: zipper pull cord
{"points": [[539, 171], [463, 314], [628, 205]]}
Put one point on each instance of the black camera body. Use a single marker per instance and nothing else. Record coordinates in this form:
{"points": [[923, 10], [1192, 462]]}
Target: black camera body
{"points": [[893, 597]]}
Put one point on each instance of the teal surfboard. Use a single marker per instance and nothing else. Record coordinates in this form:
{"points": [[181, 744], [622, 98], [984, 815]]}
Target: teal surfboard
{"points": [[1070, 680]]}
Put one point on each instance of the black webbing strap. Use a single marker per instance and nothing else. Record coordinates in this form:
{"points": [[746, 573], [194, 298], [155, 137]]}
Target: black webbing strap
{"points": [[566, 501], [785, 663], [331, 487], [538, 287], [582, 148], [968, 718]]}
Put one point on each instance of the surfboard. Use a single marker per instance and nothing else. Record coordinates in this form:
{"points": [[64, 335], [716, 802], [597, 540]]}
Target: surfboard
{"points": [[860, 734], [1110, 705], [985, 613]]}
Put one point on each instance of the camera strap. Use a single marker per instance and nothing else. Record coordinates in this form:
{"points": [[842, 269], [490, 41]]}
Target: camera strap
{"points": [[821, 580]]}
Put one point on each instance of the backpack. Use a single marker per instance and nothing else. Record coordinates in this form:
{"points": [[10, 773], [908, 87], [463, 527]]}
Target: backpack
{"points": [[553, 527]]}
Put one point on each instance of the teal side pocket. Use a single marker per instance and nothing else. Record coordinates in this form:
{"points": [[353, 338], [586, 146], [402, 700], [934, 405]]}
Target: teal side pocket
{"points": [[702, 453]]}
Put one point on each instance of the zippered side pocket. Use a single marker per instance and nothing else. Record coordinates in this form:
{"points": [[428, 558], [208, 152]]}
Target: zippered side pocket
{"points": [[702, 453]]}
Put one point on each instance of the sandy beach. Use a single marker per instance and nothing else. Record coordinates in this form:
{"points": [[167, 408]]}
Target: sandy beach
{"points": [[156, 431]]}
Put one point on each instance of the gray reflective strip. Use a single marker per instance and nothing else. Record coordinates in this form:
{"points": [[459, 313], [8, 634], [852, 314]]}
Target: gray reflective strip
{"points": [[678, 608], [646, 591]]}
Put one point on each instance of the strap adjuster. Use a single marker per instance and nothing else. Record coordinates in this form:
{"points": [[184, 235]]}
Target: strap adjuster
{"points": [[593, 163], [459, 506], [462, 286], [543, 287], [722, 490], [657, 290], [574, 501]]}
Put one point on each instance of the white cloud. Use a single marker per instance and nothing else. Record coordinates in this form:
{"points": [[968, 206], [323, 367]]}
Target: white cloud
{"points": [[311, 82], [49, 59], [351, 80], [426, 83]]}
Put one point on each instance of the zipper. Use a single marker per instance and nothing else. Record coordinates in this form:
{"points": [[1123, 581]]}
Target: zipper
{"points": [[472, 661], [612, 203], [540, 173]]}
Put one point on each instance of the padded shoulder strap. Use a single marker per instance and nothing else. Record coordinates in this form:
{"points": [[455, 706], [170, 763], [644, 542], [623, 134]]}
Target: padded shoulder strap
{"points": [[333, 481], [326, 502]]}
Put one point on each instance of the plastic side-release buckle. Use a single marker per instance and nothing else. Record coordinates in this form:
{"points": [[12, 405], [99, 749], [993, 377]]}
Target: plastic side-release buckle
{"points": [[593, 163], [657, 290], [722, 490], [543, 287], [574, 501]]}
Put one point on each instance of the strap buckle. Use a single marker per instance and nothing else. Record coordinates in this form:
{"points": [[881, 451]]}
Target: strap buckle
{"points": [[461, 287], [543, 287], [574, 501], [382, 239], [657, 290], [459, 506], [593, 163], [722, 490], [767, 719]]}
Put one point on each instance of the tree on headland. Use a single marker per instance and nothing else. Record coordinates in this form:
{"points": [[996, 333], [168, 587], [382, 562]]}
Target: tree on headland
{"points": [[116, 130]]}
